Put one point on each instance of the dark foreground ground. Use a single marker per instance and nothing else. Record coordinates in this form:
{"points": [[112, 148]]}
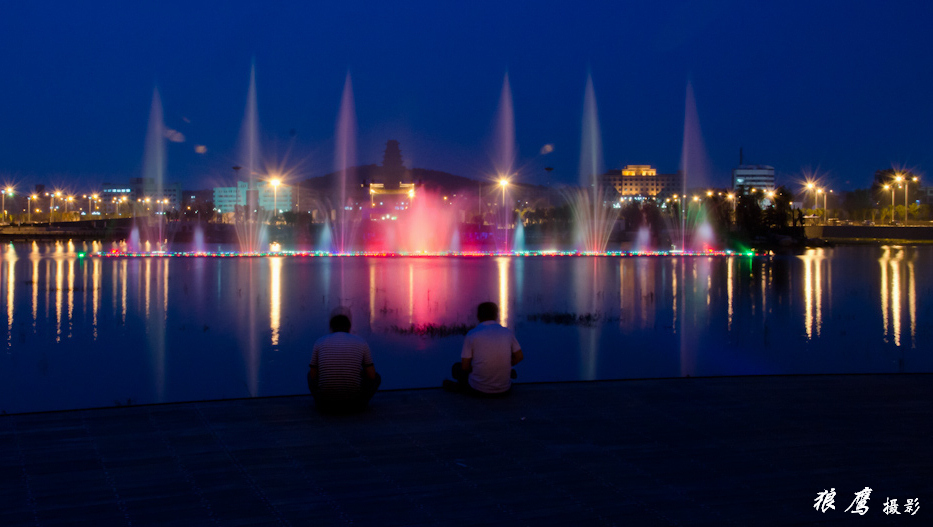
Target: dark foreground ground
{"points": [[714, 451]]}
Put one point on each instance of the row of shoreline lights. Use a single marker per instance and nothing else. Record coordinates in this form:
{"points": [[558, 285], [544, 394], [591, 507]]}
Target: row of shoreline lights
{"points": [[709, 194], [899, 178], [91, 198]]}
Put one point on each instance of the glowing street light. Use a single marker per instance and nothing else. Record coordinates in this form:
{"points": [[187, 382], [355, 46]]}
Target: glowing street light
{"points": [[275, 196], [886, 187], [915, 179], [29, 201], [52, 197], [810, 187], [503, 182], [8, 190]]}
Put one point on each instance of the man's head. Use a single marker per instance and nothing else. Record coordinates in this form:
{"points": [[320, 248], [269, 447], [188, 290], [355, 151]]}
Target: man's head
{"points": [[340, 320], [487, 311]]}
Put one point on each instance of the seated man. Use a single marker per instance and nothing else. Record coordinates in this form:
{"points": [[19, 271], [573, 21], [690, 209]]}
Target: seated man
{"points": [[342, 377], [489, 352]]}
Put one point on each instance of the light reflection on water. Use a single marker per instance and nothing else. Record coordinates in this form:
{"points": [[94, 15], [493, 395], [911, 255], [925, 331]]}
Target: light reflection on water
{"points": [[87, 331]]}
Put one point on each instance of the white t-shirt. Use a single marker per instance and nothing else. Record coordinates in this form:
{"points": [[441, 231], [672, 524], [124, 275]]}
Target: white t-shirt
{"points": [[490, 346]]}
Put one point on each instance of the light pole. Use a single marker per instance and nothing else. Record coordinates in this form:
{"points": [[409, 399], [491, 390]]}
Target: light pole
{"points": [[731, 197], [275, 197], [505, 183], [905, 198], [52, 203], [886, 187], [817, 203], [8, 190], [29, 201]]}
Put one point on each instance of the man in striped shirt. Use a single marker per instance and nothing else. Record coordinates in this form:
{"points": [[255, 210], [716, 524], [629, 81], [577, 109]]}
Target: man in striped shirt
{"points": [[341, 375]]}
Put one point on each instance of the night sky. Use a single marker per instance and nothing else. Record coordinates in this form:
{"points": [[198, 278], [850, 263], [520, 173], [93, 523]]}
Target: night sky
{"points": [[843, 88]]}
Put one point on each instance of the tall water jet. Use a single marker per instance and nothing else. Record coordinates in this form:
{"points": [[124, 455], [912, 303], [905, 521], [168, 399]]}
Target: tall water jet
{"points": [[593, 220], [249, 220], [154, 160], [344, 160], [694, 168], [518, 240], [505, 156]]}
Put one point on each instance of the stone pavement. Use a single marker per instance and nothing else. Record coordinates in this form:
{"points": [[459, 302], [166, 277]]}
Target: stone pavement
{"points": [[694, 451]]}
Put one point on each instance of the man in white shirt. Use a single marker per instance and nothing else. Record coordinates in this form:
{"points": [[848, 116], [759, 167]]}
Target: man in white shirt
{"points": [[489, 352]]}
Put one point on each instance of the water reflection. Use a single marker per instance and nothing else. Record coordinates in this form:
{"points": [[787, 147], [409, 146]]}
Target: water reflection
{"points": [[275, 297], [95, 293], [503, 265], [813, 291], [10, 261], [171, 327], [894, 261]]}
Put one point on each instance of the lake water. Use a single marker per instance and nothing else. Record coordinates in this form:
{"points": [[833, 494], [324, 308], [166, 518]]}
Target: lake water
{"points": [[82, 331]]}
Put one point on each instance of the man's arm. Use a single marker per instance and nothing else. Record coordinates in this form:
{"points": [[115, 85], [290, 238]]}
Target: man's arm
{"points": [[370, 372], [517, 357], [312, 373], [467, 365]]}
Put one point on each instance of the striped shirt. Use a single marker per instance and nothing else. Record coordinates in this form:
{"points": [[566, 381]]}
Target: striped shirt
{"points": [[340, 358]]}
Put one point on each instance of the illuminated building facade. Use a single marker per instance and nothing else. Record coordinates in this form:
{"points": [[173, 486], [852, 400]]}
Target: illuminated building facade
{"points": [[642, 181], [227, 198], [748, 177], [138, 189]]}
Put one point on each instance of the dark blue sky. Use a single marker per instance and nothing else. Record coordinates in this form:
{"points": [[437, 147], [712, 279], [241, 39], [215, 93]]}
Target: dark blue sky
{"points": [[840, 87]]}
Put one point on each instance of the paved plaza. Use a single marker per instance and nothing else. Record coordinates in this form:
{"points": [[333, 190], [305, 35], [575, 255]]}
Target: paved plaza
{"points": [[691, 451]]}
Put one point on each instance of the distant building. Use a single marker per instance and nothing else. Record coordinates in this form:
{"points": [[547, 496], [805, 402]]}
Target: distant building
{"points": [[194, 196], [642, 181], [227, 198], [748, 177], [137, 191]]}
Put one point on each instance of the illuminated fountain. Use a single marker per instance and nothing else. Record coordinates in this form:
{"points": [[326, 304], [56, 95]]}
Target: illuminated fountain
{"points": [[505, 161], [345, 218], [410, 220], [593, 218], [690, 229], [150, 227], [250, 219]]}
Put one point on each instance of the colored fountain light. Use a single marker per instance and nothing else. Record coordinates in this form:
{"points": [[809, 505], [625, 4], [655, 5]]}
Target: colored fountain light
{"points": [[276, 250]]}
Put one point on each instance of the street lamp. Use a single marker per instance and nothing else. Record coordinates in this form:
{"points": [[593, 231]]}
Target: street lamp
{"points": [[29, 201], [810, 187], [817, 203], [8, 190], [905, 197], [275, 197], [505, 183], [886, 187], [52, 197]]}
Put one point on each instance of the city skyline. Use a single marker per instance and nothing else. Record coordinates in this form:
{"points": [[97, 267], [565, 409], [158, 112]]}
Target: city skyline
{"points": [[800, 90]]}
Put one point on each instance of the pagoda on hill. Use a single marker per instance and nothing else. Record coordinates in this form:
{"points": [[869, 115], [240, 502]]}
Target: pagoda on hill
{"points": [[392, 180]]}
